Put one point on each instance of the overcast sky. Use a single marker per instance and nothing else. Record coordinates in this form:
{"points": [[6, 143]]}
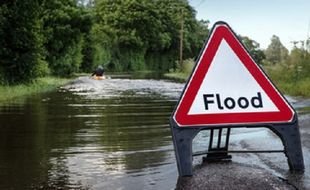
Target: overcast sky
{"points": [[259, 19]]}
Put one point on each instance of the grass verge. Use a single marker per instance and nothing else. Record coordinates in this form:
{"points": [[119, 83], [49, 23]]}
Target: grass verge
{"points": [[177, 76], [284, 79], [39, 86], [182, 73], [298, 88]]}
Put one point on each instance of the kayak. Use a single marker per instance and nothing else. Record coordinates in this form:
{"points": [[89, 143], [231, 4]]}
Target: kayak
{"points": [[99, 77]]}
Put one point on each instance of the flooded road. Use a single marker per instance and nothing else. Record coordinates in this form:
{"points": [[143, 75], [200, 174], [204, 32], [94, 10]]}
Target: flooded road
{"points": [[110, 134], [115, 134]]}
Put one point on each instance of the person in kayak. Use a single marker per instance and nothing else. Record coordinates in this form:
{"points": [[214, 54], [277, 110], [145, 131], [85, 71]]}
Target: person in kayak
{"points": [[98, 72]]}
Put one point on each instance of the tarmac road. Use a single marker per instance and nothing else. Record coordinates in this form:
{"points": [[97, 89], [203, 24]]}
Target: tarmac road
{"points": [[253, 170]]}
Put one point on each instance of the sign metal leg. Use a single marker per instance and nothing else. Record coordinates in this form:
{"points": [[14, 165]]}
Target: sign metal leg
{"points": [[290, 136], [183, 139]]}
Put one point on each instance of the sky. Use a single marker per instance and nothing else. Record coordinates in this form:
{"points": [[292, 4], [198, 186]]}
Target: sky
{"points": [[259, 19]]}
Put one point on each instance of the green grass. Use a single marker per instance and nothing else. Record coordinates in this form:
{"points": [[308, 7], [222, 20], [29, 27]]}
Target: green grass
{"points": [[39, 86], [182, 73], [288, 81], [298, 88], [177, 76], [284, 78]]}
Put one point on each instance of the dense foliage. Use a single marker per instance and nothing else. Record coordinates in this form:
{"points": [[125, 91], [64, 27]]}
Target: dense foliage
{"points": [[38, 37], [290, 71], [276, 52], [61, 37], [253, 48], [144, 34], [64, 25], [21, 41]]}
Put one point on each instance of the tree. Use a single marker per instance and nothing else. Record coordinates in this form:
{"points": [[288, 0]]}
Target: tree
{"points": [[299, 60], [132, 28], [64, 36], [276, 52], [253, 48], [21, 42], [64, 24], [145, 33], [175, 12]]}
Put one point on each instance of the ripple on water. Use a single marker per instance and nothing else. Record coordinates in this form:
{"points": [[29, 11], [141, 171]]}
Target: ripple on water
{"points": [[98, 89]]}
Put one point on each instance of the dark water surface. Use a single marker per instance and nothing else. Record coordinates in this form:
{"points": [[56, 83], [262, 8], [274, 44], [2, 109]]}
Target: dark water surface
{"points": [[109, 134]]}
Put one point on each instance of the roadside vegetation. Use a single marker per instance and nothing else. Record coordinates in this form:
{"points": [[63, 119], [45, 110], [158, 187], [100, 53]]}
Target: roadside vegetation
{"points": [[182, 73], [290, 71], [40, 85], [60, 38]]}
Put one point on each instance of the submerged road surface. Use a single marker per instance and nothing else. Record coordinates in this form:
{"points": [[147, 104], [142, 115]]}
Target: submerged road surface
{"points": [[246, 171], [115, 134], [254, 170]]}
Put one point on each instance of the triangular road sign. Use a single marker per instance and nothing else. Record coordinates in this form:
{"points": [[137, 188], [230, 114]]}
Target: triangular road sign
{"points": [[227, 87]]}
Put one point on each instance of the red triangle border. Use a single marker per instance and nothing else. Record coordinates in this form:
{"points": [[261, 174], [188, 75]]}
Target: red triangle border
{"points": [[219, 32]]}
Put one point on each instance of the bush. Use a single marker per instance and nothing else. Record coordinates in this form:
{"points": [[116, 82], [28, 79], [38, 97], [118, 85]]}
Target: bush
{"points": [[289, 79], [68, 62], [21, 44], [64, 24]]}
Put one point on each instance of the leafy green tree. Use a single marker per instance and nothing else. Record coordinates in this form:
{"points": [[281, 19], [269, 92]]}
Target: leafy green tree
{"points": [[88, 50], [146, 34], [276, 52], [21, 41], [299, 60], [132, 27], [253, 48], [64, 23], [174, 13], [64, 36]]}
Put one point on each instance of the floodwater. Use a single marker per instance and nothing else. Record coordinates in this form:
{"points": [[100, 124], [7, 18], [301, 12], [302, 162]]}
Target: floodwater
{"points": [[109, 134]]}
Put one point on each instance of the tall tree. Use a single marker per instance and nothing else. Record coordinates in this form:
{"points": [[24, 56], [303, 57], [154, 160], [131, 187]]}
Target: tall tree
{"points": [[21, 40], [148, 31], [253, 48], [64, 23], [133, 27], [276, 52], [299, 60]]}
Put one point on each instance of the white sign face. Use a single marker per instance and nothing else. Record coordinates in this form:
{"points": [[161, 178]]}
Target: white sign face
{"points": [[229, 87]]}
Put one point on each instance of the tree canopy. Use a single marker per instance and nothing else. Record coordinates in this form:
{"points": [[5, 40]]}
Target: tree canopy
{"points": [[144, 34], [276, 52], [61, 37], [21, 41], [253, 48]]}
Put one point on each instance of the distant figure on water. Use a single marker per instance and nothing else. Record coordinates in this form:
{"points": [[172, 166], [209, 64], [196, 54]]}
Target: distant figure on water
{"points": [[98, 72]]}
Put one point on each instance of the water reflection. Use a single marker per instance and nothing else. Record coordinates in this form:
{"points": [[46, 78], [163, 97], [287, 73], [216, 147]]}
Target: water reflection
{"points": [[98, 89], [112, 135]]}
